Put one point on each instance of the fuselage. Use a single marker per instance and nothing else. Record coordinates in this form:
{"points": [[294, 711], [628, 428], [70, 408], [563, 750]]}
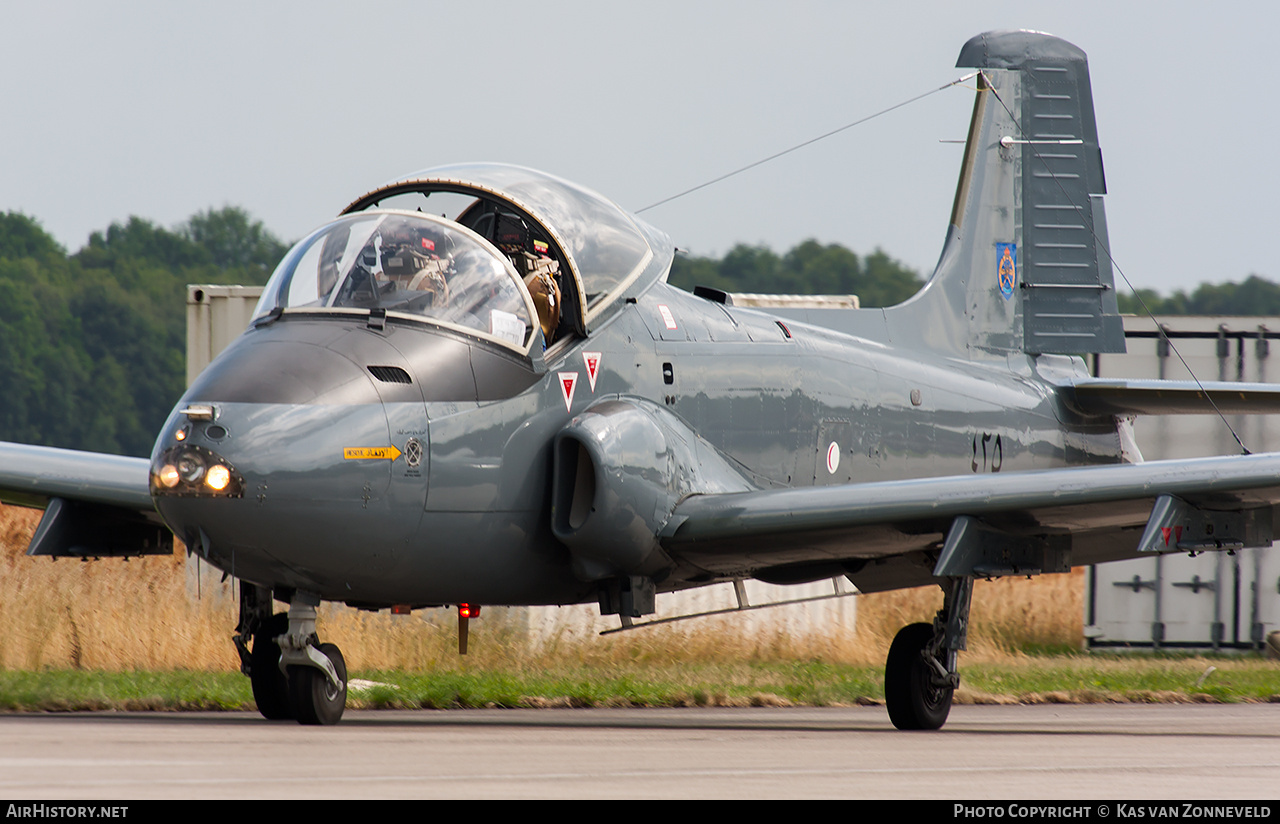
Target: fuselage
{"points": [[404, 424], [410, 464]]}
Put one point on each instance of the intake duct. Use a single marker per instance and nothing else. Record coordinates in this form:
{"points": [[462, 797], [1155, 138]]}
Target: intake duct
{"points": [[619, 469]]}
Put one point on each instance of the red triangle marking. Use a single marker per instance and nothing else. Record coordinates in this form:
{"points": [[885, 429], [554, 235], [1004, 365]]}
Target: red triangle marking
{"points": [[592, 360], [1165, 531], [567, 382]]}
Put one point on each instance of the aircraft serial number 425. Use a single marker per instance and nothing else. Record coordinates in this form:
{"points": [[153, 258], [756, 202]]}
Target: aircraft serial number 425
{"points": [[509, 405]]}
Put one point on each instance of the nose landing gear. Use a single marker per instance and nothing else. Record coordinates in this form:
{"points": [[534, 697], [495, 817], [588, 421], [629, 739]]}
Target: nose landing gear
{"points": [[293, 675]]}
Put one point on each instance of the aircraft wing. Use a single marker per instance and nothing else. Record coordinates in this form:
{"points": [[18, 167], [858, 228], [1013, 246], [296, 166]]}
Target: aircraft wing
{"points": [[94, 504], [896, 534]]}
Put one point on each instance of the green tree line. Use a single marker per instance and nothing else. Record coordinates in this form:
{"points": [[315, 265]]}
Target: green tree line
{"points": [[92, 344], [1255, 296], [808, 269]]}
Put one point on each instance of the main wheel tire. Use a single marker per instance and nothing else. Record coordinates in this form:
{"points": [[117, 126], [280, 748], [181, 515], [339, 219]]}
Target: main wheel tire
{"points": [[913, 700], [270, 686], [315, 701]]}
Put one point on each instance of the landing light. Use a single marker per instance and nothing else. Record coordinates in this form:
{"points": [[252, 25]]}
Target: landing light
{"points": [[188, 470], [218, 477], [168, 476]]}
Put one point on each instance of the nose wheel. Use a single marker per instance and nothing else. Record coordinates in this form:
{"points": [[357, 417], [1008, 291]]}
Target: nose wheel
{"points": [[314, 698], [293, 675], [270, 685]]}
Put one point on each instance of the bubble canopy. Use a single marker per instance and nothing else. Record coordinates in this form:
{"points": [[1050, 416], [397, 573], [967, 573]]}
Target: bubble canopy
{"points": [[410, 265], [604, 250]]}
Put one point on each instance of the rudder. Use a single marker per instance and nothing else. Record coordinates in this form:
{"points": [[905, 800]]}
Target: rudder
{"points": [[1025, 266]]}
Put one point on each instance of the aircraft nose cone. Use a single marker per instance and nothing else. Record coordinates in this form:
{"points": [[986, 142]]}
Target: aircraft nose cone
{"points": [[322, 450]]}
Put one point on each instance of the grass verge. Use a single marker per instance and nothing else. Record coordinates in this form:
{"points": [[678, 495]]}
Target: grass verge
{"points": [[1022, 679]]}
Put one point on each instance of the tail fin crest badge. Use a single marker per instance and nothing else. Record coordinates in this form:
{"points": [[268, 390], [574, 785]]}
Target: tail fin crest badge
{"points": [[1007, 267]]}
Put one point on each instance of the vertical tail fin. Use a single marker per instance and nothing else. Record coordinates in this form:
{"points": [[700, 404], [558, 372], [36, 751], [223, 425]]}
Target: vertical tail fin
{"points": [[1025, 266]]}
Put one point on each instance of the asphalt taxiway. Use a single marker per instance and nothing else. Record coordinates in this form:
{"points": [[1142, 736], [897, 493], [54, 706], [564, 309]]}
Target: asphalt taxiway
{"points": [[984, 752]]}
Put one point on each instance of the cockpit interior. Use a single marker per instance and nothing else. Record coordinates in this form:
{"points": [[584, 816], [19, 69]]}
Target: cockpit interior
{"points": [[506, 254]]}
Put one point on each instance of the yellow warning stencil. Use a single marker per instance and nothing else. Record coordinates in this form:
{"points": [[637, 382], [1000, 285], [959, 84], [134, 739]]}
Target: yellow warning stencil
{"points": [[370, 453]]}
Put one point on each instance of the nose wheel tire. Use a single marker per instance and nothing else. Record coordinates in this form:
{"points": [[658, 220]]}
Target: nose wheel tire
{"points": [[270, 686], [314, 700], [914, 700]]}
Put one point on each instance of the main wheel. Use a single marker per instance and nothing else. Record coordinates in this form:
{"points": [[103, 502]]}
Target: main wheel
{"points": [[314, 699], [270, 686], [913, 700]]}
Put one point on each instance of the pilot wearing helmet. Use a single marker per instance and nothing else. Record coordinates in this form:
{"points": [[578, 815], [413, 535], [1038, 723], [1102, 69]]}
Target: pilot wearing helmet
{"points": [[533, 261], [416, 258], [546, 295]]}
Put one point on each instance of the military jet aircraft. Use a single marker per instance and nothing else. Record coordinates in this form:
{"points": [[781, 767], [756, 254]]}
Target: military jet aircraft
{"points": [[474, 386]]}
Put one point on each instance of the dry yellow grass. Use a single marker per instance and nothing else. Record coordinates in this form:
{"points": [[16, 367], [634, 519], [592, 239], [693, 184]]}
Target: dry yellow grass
{"points": [[108, 614], [1007, 615], [143, 614]]}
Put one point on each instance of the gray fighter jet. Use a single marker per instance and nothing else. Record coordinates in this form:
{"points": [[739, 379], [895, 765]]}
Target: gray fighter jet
{"points": [[475, 387]]}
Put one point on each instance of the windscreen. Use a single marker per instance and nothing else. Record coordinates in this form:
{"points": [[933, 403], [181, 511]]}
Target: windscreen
{"points": [[414, 264]]}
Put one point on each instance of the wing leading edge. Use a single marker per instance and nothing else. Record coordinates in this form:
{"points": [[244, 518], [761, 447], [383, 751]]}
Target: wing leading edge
{"points": [[889, 535], [94, 504]]}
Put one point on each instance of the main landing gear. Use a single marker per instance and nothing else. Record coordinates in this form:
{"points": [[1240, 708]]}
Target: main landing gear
{"points": [[920, 675], [293, 675]]}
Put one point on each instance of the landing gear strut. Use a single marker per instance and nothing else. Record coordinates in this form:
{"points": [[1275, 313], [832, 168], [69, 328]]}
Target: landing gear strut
{"points": [[920, 676], [317, 673], [293, 675]]}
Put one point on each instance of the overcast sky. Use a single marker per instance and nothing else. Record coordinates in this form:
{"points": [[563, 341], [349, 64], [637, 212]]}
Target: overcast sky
{"points": [[291, 110]]}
